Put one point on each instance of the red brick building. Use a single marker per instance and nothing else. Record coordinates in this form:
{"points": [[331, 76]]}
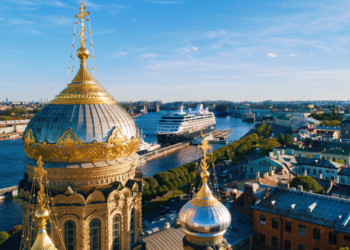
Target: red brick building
{"points": [[295, 220]]}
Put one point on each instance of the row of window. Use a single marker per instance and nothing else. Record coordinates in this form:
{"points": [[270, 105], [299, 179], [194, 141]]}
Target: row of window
{"points": [[330, 159], [91, 182], [332, 238], [95, 233], [287, 243]]}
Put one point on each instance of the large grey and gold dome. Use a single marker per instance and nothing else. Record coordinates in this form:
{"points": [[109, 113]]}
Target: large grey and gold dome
{"points": [[82, 123], [204, 218]]}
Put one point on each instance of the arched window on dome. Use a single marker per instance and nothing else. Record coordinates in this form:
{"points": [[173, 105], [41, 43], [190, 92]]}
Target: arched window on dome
{"points": [[95, 235], [69, 235], [132, 225], [116, 232]]}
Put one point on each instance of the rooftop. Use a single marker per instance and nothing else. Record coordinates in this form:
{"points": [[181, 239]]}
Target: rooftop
{"points": [[318, 162], [307, 206]]}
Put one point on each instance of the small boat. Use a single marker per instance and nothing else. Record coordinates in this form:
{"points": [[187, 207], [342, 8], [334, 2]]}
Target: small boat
{"points": [[145, 147]]}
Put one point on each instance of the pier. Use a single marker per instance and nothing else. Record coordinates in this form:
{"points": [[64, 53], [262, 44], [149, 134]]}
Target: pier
{"points": [[9, 192], [163, 151], [221, 134]]}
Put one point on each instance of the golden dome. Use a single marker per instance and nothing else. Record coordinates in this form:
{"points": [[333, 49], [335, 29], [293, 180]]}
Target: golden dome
{"points": [[83, 89]]}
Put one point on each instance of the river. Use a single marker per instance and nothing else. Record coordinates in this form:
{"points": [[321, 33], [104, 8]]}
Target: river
{"points": [[12, 155]]}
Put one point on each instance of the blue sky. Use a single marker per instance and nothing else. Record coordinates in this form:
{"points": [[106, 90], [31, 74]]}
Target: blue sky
{"points": [[174, 50]]}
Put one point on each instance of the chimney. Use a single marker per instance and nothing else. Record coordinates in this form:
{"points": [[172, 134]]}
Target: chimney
{"points": [[265, 175], [305, 173], [336, 179], [271, 154], [278, 155], [319, 176], [257, 174], [283, 185], [166, 225], [272, 171], [300, 188]]}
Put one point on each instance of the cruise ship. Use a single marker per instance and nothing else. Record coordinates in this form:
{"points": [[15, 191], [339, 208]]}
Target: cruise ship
{"points": [[181, 126]]}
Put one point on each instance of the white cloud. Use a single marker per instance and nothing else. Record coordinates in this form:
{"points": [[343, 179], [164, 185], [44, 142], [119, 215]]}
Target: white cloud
{"points": [[311, 53], [293, 55], [148, 55], [119, 54], [271, 55], [162, 1], [248, 54], [195, 48], [186, 50]]}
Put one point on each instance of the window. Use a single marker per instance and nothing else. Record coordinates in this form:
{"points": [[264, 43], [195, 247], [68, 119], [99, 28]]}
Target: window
{"points": [[301, 247], [275, 223], [342, 179], [251, 169], [317, 234], [314, 171], [262, 238], [69, 232], [262, 219], [116, 232], [347, 237], [301, 230], [345, 161], [95, 235], [274, 241], [320, 171], [332, 238], [308, 170], [333, 159], [288, 226], [287, 245], [327, 171], [132, 225]]}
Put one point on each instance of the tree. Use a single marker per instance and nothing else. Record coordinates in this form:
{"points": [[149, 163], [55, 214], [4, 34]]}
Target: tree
{"points": [[6, 118], [30, 116], [146, 186], [3, 236], [288, 139], [308, 183], [281, 138], [267, 145], [170, 185], [36, 110], [152, 183]]}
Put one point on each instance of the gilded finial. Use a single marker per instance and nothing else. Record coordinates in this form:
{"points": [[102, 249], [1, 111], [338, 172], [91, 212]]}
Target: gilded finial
{"points": [[42, 214], [82, 53], [82, 15], [205, 147]]}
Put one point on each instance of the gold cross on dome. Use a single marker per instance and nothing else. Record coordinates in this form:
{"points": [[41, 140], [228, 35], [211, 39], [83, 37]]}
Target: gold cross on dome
{"points": [[205, 147], [82, 15], [40, 173]]}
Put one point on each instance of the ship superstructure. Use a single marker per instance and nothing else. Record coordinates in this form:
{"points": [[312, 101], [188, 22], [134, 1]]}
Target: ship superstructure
{"points": [[184, 126]]}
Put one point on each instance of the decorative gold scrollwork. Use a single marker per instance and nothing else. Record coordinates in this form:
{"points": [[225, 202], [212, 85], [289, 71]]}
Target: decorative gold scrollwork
{"points": [[70, 148]]}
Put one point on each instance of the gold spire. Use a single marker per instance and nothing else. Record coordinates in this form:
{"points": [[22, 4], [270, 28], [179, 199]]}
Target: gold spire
{"points": [[83, 89], [205, 196], [42, 214]]}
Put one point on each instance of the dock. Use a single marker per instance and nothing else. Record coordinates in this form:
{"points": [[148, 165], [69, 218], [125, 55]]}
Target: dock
{"points": [[222, 134], [162, 151], [9, 192]]}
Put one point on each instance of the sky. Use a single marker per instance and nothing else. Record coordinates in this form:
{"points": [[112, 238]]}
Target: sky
{"points": [[181, 50]]}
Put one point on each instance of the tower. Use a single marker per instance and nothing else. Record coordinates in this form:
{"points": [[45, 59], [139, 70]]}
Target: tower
{"points": [[88, 143], [204, 218]]}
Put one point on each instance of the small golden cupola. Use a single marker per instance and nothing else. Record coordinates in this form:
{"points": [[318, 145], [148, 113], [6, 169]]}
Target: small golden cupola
{"points": [[204, 218], [42, 214]]}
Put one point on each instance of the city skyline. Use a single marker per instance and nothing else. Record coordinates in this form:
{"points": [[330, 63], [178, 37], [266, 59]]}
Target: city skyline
{"points": [[179, 50]]}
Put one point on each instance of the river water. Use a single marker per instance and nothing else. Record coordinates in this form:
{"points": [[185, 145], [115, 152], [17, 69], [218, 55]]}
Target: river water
{"points": [[12, 155]]}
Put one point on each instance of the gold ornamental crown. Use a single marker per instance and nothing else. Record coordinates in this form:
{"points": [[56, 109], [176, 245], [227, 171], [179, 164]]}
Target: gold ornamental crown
{"points": [[70, 148]]}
